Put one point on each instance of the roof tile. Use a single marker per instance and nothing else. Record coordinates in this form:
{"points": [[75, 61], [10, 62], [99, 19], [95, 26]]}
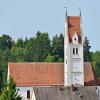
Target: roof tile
{"points": [[74, 26], [45, 74]]}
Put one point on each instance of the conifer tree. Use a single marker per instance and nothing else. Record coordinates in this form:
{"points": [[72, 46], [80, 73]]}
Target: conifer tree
{"points": [[9, 92], [87, 53]]}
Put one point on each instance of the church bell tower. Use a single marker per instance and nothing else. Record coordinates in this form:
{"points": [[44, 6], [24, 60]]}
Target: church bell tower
{"points": [[73, 52]]}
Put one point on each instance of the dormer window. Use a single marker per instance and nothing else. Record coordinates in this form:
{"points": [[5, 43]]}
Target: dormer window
{"points": [[75, 38]]}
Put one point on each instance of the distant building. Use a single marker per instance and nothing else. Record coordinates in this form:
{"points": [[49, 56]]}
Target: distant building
{"points": [[53, 80]]}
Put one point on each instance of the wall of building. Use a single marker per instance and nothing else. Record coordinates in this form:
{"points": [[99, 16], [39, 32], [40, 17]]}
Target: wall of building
{"points": [[23, 91], [98, 92], [73, 65], [76, 66]]}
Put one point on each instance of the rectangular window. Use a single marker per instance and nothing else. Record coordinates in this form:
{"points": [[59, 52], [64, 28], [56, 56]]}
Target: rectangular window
{"points": [[73, 51], [66, 61], [77, 51], [76, 80], [28, 94]]}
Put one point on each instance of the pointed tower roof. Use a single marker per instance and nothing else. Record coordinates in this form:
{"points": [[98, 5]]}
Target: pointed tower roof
{"points": [[74, 26]]}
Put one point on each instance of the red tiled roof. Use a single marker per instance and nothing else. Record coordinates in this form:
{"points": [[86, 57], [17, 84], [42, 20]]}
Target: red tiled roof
{"points": [[74, 26], [44, 74], [39, 73], [89, 75]]}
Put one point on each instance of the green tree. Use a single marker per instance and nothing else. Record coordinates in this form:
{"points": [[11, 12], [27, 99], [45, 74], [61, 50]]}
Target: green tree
{"points": [[61, 45], [1, 81], [5, 42], [96, 56], [96, 62], [58, 47], [20, 43], [45, 45], [4, 58], [50, 58], [18, 54], [87, 53], [55, 45], [42, 46], [30, 47], [9, 92], [61, 59], [25, 42]]}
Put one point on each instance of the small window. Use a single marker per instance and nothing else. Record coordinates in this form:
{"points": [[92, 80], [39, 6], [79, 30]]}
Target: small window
{"points": [[75, 39], [75, 78], [75, 67], [77, 51], [66, 61], [73, 51], [18, 89], [28, 94]]}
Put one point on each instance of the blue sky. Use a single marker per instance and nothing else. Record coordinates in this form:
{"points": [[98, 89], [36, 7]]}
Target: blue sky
{"points": [[21, 18]]}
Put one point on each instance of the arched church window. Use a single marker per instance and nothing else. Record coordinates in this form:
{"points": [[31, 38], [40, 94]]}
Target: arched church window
{"points": [[77, 51], [73, 51]]}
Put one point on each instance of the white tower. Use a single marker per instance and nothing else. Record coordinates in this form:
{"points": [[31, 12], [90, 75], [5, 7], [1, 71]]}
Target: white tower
{"points": [[73, 52]]}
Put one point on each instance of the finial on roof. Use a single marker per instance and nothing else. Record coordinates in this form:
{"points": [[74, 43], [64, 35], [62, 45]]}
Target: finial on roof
{"points": [[65, 12], [80, 11]]}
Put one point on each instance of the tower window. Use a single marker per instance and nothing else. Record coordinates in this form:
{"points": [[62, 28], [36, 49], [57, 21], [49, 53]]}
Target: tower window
{"points": [[75, 67], [73, 51], [66, 61], [77, 51], [75, 39], [28, 94]]}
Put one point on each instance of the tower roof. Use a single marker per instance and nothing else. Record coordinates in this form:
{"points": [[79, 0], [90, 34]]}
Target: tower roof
{"points": [[74, 26]]}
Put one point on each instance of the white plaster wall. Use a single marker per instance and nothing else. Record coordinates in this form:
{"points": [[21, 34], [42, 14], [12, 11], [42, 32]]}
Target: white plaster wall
{"points": [[66, 64], [72, 61], [98, 92], [77, 77], [66, 52], [23, 92], [75, 66]]}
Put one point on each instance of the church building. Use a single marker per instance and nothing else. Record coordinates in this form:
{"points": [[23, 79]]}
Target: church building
{"points": [[32, 78]]}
